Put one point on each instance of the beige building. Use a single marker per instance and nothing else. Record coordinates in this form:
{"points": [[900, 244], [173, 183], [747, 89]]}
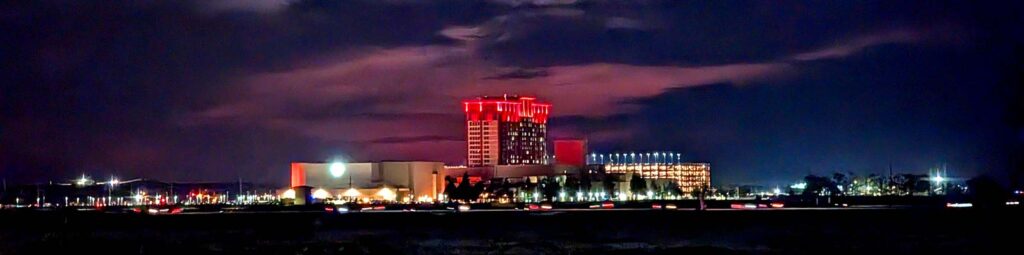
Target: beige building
{"points": [[388, 180]]}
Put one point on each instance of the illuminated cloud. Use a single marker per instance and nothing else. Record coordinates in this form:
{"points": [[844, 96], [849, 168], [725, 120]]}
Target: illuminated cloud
{"points": [[258, 6], [858, 44], [398, 102], [155, 87]]}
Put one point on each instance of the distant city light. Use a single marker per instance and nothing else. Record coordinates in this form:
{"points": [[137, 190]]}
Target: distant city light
{"points": [[321, 194], [959, 205], [289, 194], [351, 192], [387, 194], [802, 185], [82, 181]]}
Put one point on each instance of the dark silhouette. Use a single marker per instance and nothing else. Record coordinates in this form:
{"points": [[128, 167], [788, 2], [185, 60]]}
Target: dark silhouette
{"points": [[818, 185], [585, 181], [549, 188], [912, 183], [985, 192], [637, 185], [608, 183], [450, 190], [465, 189], [672, 189], [843, 181], [572, 185]]}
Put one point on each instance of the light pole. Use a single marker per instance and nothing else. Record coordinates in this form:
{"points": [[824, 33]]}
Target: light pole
{"points": [[110, 190]]}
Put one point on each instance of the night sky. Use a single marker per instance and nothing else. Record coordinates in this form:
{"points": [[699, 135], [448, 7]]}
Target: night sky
{"points": [[766, 91]]}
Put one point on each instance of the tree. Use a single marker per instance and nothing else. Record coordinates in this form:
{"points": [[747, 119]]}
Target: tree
{"points": [[476, 190], [672, 188], [818, 185], [700, 193], [637, 185], [986, 192], [842, 182], [897, 182], [912, 183], [549, 188], [608, 183], [572, 185], [585, 180], [502, 188], [450, 191], [465, 189]]}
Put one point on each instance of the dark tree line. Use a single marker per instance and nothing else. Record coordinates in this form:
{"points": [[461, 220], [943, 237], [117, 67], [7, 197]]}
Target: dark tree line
{"points": [[464, 191]]}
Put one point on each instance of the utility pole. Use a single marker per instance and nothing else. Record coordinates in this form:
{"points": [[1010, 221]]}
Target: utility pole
{"points": [[888, 185]]}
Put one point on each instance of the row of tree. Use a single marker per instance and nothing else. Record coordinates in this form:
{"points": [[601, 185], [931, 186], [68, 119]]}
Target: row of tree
{"points": [[982, 190], [551, 187], [850, 184]]}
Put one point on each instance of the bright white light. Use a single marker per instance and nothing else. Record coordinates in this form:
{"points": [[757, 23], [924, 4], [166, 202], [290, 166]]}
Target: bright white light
{"points": [[938, 178], [959, 205], [801, 185], [777, 191], [337, 169], [352, 192], [387, 194], [82, 181], [321, 194], [290, 193]]}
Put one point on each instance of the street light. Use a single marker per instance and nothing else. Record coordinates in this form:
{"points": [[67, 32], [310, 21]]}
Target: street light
{"points": [[113, 181], [337, 169]]}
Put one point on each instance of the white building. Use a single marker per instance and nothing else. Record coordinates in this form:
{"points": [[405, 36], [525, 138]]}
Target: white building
{"points": [[389, 180]]}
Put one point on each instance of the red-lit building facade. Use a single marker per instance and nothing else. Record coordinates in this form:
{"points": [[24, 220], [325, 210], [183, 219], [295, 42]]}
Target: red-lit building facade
{"points": [[571, 152], [506, 130]]}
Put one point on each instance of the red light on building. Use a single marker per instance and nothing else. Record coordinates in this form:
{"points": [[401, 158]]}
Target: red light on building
{"points": [[570, 152], [506, 130], [298, 175]]}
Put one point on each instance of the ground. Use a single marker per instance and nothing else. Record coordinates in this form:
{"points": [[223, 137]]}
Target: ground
{"points": [[869, 231]]}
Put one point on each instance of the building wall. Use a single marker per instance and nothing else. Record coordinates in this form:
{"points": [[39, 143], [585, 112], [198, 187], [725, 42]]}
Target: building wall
{"points": [[416, 176], [523, 143], [482, 142], [689, 176], [571, 152]]}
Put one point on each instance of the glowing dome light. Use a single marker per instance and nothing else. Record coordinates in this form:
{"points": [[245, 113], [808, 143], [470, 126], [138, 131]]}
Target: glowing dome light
{"points": [[337, 169], [387, 194], [352, 192], [290, 194], [321, 194]]}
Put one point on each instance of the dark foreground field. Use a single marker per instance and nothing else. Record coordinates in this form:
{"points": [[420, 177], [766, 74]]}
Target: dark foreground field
{"points": [[908, 231]]}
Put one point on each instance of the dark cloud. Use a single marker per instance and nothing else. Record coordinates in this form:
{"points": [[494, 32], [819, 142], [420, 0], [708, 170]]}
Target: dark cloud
{"points": [[885, 106], [82, 74], [415, 139], [519, 73], [215, 90], [686, 33]]}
